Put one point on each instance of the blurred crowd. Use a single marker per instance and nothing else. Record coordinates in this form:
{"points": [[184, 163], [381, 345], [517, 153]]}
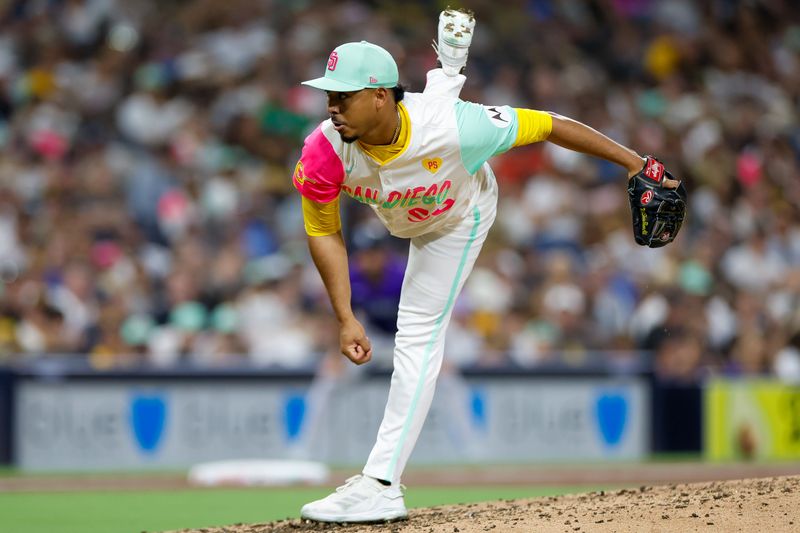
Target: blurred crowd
{"points": [[147, 212]]}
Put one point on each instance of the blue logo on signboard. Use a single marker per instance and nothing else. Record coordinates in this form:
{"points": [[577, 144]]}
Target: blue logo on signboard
{"points": [[148, 417], [294, 411], [478, 408], [612, 415]]}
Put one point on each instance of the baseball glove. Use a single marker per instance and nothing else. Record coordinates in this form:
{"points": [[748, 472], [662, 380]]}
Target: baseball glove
{"points": [[657, 212]]}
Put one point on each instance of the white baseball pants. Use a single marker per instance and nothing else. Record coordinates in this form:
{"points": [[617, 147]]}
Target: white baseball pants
{"points": [[438, 265]]}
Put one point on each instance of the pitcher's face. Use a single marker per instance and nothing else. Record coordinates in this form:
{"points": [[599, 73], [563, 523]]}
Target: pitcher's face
{"points": [[355, 113]]}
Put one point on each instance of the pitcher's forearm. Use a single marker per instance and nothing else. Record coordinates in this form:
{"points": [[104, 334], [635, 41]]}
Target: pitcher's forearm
{"points": [[579, 137], [330, 257]]}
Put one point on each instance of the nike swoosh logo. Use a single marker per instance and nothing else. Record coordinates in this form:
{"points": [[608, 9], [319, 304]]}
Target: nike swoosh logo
{"points": [[350, 168]]}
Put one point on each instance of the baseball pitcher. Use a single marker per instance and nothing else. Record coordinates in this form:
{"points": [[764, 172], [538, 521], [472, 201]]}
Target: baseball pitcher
{"points": [[419, 160]]}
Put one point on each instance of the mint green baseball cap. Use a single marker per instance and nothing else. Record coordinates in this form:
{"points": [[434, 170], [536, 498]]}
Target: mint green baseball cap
{"points": [[356, 66]]}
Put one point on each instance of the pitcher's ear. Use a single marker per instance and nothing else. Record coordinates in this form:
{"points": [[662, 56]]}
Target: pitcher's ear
{"points": [[381, 97]]}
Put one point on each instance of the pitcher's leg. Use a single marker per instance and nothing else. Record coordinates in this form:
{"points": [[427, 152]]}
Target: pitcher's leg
{"points": [[437, 82], [437, 268]]}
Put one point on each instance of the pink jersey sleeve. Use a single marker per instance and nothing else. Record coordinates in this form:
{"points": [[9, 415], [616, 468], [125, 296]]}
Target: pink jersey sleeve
{"points": [[319, 173]]}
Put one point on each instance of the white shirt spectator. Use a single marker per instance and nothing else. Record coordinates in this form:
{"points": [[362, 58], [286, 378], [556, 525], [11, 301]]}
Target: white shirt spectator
{"points": [[144, 119], [752, 266], [787, 365]]}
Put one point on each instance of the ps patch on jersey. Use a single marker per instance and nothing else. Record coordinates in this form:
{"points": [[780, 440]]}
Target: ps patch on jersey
{"points": [[432, 165]]}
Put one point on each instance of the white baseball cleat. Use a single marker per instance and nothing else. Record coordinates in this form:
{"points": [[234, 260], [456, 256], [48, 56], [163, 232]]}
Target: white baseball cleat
{"points": [[454, 37], [360, 499]]}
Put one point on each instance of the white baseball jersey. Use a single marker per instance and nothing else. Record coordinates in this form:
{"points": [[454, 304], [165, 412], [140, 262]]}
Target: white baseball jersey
{"points": [[436, 178]]}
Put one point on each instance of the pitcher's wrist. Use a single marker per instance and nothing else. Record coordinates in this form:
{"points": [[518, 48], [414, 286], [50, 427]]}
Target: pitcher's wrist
{"points": [[345, 317], [635, 164]]}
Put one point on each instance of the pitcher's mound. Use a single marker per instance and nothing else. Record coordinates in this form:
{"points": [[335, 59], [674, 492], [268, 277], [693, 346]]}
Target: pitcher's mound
{"points": [[769, 504]]}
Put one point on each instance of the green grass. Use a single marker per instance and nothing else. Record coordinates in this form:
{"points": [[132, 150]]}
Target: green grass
{"points": [[134, 512], [11, 471]]}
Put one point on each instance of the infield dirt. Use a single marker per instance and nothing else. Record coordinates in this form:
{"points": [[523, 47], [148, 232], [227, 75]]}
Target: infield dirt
{"points": [[766, 504]]}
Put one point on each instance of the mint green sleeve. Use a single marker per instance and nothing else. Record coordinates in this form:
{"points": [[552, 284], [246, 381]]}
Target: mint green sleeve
{"points": [[484, 132]]}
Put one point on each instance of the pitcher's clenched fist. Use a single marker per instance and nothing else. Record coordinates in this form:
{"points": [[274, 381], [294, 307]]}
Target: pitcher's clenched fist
{"points": [[354, 343]]}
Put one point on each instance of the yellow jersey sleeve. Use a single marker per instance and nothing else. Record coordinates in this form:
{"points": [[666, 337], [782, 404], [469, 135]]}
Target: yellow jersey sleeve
{"points": [[532, 126], [321, 219]]}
